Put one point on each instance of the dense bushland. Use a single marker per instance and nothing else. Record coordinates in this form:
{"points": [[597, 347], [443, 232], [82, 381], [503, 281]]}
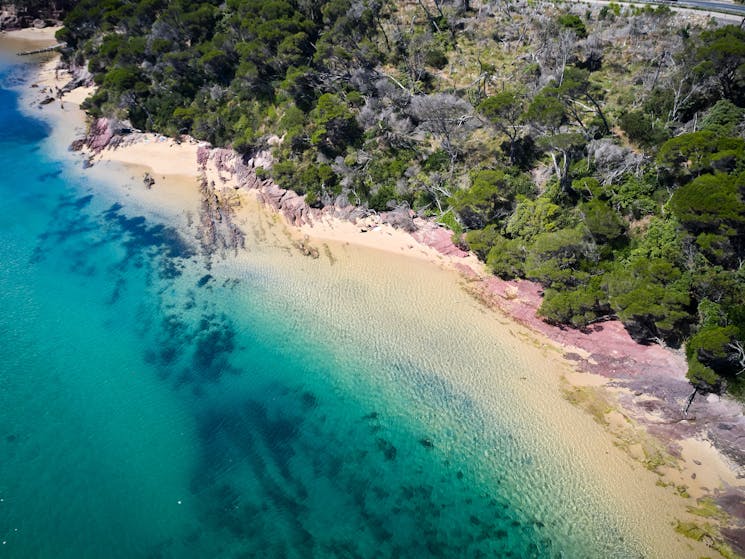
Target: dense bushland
{"points": [[596, 150]]}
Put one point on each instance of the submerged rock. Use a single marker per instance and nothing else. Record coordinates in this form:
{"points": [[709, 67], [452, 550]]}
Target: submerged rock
{"points": [[426, 443], [387, 448]]}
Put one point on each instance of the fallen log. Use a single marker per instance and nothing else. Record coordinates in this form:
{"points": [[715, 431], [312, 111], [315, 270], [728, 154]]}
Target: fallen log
{"points": [[45, 49]]}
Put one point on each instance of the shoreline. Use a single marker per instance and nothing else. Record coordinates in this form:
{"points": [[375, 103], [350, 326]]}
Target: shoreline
{"points": [[601, 380]]}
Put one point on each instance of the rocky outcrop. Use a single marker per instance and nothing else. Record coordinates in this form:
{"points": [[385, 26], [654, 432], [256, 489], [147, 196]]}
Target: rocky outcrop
{"points": [[438, 238], [100, 135], [106, 133], [400, 218], [39, 16], [81, 77], [9, 18], [216, 231], [230, 165], [291, 205]]}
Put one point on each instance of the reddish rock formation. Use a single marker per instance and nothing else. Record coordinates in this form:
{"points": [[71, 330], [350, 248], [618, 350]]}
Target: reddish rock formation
{"points": [[100, 135], [437, 237]]}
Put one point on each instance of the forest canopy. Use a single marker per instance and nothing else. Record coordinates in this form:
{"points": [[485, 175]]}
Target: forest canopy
{"points": [[610, 171]]}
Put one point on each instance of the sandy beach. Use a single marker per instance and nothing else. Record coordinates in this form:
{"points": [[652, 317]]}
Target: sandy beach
{"points": [[656, 476]]}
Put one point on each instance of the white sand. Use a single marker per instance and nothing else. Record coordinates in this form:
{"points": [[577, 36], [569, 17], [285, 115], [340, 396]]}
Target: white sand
{"points": [[159, 154], [376, 235], [28, 37]]}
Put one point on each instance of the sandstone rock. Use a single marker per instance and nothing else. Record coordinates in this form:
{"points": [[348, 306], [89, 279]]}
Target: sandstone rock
{"points": [[437, 237], [271, 195], [8, 19], [81, 77], [203, 154], [400, 218], [100, 135], [262, 159], [293, 207]]}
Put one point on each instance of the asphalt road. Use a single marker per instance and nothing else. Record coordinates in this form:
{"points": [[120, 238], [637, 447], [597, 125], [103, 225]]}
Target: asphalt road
{"points": [[711, 6], [703, 5]]}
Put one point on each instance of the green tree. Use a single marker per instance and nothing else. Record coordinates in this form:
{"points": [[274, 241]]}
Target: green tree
{"points": [[711, 203], [504, 111], [715, 356], [489, 198], [723, 118], [532, 217], [721, 56], [546, 111], [506, 258], [690, 155], [333, 125], [641, 129], [575, 23], [561, 258], [481, 241], [652, 298], [663, 240], [578, 307], [603, 221], [576, 89]]}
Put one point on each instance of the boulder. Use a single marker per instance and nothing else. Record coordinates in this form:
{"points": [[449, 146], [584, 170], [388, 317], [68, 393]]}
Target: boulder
{"points": [[400, 218], [100, 134], [294, 207], [271, 195], [9, 19]]}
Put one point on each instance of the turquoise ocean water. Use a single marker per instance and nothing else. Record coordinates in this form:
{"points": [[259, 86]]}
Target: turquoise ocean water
{"points": [[151, 407]]}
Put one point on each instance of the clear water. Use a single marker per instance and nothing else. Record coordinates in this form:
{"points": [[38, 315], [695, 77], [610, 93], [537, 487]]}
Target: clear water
{"points": [[150, 407]]}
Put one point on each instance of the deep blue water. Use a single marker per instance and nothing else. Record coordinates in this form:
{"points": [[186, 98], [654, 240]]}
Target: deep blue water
{"points": [[150, 407]]}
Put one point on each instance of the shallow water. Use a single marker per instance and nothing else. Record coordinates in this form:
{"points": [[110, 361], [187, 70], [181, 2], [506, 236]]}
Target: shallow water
{"points": [[156, 404]]}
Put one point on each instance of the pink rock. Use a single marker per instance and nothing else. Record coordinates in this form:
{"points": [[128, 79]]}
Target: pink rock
{"points": [[100, 135], [613, 352], [438, 238], [203, 155]]}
